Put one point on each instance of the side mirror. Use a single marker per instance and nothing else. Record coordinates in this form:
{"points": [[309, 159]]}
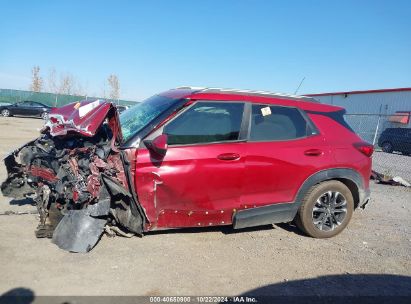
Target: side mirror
{"points": [[158, 145]]}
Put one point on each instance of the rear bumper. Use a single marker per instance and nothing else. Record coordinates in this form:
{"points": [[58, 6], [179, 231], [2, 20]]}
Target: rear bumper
{"points": [[364, 198]]}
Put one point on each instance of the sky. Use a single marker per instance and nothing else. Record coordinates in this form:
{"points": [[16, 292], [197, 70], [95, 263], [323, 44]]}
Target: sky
{"points": [[250, 44]]}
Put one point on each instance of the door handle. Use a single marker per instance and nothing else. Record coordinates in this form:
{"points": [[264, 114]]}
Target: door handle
{"points": [[313, 152], [228, 156]]}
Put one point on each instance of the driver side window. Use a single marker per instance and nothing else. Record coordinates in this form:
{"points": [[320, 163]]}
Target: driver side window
{"points": [[36, 105], [206, 122]]}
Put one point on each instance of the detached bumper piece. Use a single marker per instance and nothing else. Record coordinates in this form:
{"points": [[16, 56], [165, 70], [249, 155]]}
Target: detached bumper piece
{"points": [[80, 230]]}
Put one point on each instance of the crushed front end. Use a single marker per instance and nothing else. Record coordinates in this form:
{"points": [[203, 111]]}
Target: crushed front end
{"points": [[75, 173]]}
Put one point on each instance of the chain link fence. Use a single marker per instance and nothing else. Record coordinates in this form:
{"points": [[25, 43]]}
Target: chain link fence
{"points": [[391, 137], [51, 99]]}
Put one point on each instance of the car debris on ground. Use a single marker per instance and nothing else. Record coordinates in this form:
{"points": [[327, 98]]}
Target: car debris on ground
{"points": [[389, 180]]}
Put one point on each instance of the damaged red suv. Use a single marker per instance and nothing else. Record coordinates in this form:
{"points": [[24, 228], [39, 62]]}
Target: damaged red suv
{"points": [[191, 158]]}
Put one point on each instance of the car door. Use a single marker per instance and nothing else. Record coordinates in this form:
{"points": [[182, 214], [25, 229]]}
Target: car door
{"points": [[199, 180], [18, 108], [25, 108], [284, 148]]}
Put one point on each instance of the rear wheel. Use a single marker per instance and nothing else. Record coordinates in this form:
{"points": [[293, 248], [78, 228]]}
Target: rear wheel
{"points": [[387, 147], [5, 113], [326, 209]]}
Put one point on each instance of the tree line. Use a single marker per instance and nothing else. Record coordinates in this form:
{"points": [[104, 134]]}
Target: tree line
{"points": [[66, 83]]}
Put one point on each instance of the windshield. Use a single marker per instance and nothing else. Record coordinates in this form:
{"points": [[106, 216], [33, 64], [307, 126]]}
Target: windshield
{"points": [[137, 117]]}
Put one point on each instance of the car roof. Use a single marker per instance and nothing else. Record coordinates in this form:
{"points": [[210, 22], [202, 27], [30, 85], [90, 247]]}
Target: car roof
{"points": [[220, 94]]}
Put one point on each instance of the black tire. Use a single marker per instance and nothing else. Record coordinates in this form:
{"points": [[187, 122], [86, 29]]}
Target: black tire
{"points": [[5, 113], [310, 221], [387, 147]]}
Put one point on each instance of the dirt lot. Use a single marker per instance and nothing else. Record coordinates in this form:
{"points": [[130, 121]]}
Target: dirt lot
{"points": [[371, 257]]}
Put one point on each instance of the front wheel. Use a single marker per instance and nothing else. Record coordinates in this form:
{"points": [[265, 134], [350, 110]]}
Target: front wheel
{"points": [[5, 113], [326, 210]]}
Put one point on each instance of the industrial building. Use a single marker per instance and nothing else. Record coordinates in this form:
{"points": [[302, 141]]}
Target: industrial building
{"points": [[370, 112], [386, 101]]}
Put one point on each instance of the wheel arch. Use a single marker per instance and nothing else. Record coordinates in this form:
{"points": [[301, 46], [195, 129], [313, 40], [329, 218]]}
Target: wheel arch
{"points": [[353, 188], [349, 177]]}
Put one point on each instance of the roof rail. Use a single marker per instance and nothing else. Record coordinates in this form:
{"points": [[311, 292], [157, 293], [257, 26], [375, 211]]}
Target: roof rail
{"points": [[251, 92], [190, 88]]}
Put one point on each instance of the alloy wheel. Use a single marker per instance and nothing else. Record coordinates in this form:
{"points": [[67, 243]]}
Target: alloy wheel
{"points": [[329, 211]]}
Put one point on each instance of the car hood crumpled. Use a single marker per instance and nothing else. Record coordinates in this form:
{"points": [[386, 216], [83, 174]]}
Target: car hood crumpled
{"points": [[84, 117]]}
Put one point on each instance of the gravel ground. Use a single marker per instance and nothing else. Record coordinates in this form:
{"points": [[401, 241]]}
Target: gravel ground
{"points": [[371, 257]]}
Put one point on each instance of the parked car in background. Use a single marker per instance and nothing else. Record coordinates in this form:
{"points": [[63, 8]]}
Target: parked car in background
{"points": [[396, 139], [192, 157], [26, 108]]}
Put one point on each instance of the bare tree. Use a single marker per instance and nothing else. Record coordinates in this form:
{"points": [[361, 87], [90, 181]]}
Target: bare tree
{"points": [[52, 81], [114, 84], [36, 80], [79, 89], [67, 84]]}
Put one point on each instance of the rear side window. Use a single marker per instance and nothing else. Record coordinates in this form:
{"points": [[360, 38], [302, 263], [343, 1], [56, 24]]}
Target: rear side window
{"points": [[206, 122], [277, 123], [337, 116]]}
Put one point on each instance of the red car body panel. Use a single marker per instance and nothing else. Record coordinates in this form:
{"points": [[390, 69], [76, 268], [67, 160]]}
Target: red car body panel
{"points": [[276, 170], [191, 187], [343, 155]]}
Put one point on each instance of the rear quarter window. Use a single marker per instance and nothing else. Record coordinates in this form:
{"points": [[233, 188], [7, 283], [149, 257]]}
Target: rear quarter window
{"points": [[337, 116]]}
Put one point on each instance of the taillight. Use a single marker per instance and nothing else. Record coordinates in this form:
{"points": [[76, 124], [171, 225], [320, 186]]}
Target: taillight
{"points": [[365, 148]]}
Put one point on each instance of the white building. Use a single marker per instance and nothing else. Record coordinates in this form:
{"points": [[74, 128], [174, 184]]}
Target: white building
{"points": [[369, 102], [370, 112]]}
